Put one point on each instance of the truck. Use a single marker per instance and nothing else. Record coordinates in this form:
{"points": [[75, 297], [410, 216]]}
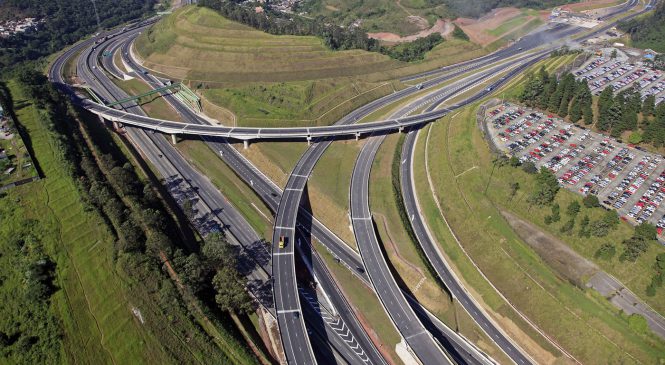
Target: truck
{"points": [[282, 241]]}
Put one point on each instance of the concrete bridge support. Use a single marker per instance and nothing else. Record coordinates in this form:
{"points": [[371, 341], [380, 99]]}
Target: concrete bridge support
{"points": [[174, 138], [245, 144], [357, 136], [309, 140]]}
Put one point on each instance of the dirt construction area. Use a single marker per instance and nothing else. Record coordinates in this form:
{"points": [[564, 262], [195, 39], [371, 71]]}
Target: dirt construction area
{"points": [[479, 30], [624, 178], [441, 26]]}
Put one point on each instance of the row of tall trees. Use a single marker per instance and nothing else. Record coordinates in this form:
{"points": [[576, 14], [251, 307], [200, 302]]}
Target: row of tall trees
{"points": [[565, 97], [615, 113]]}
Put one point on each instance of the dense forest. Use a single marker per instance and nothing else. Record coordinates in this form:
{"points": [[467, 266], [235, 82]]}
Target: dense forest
{"points": [[649, 31], [66, 21]]}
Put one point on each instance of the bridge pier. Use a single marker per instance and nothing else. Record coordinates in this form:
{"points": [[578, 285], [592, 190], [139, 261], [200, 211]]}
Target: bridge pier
{"points": [[117, 125], [401, 129], [245, 144], [309, 140], [174, 139], [357, 136]]}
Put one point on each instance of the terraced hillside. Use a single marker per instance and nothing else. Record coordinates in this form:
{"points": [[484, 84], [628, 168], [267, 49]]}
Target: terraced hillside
{"points": [[198, 44], [266, 79]]}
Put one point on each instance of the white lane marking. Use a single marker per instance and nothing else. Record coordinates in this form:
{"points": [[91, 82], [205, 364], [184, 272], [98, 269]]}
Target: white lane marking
{"points": [[287, 311], [282, 253], [283, 227]]}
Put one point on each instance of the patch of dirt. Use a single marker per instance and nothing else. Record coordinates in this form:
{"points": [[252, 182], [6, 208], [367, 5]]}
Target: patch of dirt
{"points": [[477, 29], [418, 21], [567, 263], [441, 26]]}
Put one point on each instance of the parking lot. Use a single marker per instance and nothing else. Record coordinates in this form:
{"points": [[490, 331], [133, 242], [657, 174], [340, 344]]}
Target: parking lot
{"points": [[602, 72], [625, 178]]}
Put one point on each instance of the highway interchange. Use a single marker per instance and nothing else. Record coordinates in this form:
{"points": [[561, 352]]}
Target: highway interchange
{"points": [[420, 330]]}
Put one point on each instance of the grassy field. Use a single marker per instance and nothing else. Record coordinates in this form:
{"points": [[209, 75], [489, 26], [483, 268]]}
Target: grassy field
{"points": [[268, 80], [93, 303], [585, 325]]}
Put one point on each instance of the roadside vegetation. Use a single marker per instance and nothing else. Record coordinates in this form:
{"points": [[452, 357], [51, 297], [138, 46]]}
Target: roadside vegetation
{"points": [[95, 248]]}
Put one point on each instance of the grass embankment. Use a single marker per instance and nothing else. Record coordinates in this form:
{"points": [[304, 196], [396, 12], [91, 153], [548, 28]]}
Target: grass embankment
{"points": [[93, 304], [268, 80], [154, 105], [585, 325], [403, 252]]}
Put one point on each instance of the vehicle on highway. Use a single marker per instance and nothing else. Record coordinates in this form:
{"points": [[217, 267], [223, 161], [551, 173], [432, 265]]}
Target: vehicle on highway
{"points": [[282, 241]]}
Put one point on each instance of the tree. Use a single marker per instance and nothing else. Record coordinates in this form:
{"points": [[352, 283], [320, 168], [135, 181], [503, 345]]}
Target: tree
{"points": [[567, 227], [556, 215], [605, 102], [573, 208], [231, 294], [649, 105], [591, 201], [459, 33], [547, 187], [575, 111], [613, 55], [646, 231], [606, 251], [660, 262], [529, 167], [603, 226], [514, 161], [636, 245], [190, 269], [514, 187]]}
